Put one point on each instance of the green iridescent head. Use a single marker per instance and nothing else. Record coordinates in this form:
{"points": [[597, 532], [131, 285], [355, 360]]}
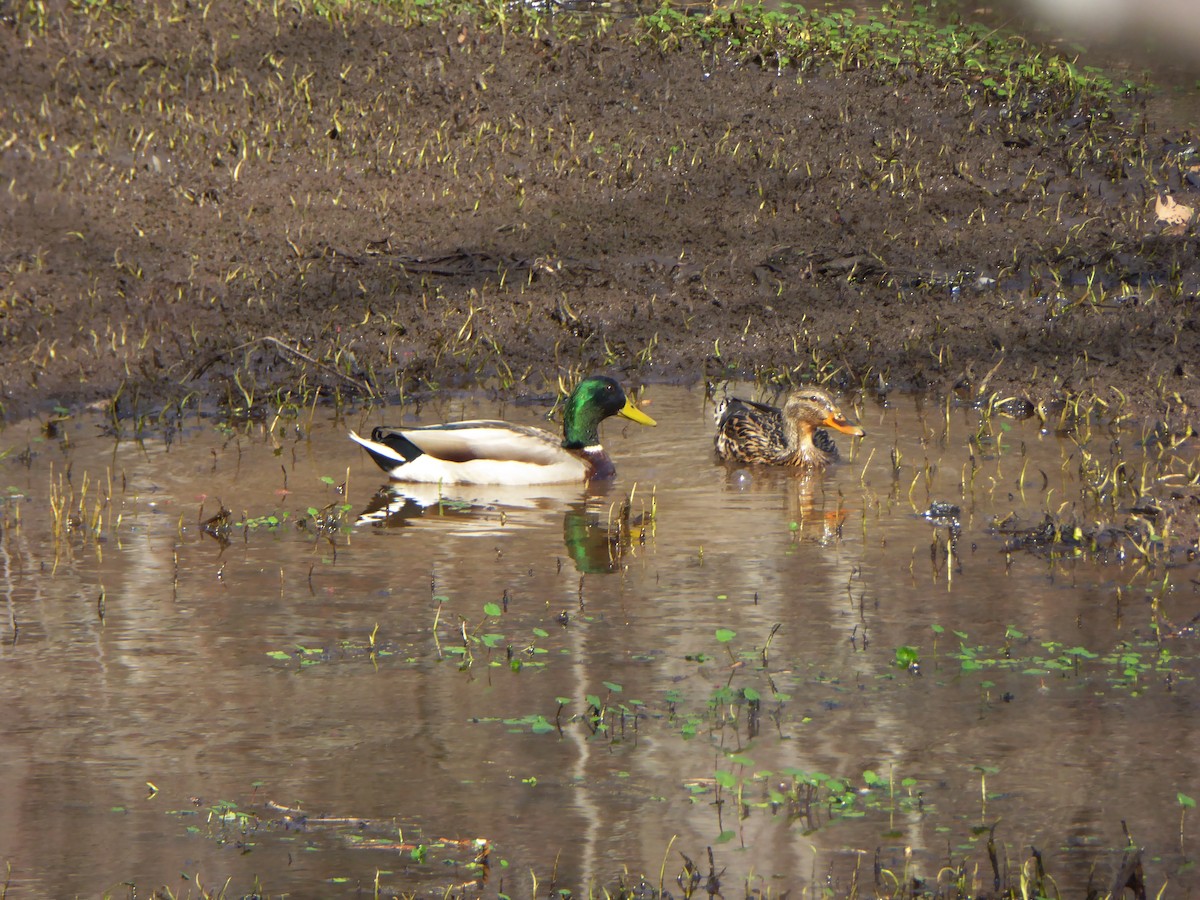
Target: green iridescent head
{"points": [[594, 400]]}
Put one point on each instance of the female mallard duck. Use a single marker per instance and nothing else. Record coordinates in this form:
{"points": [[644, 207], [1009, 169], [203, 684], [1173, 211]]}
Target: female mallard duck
{"points": [[492, 452], [756, 433]]}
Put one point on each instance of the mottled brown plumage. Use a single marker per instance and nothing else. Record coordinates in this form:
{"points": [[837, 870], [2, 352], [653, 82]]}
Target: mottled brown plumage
{"points": [[752, 432]]}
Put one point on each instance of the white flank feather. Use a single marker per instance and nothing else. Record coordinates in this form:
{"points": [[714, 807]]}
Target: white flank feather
{"points": [[505, 456]]}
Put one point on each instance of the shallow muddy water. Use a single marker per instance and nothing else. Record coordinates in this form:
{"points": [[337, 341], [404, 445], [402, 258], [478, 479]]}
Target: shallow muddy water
{"points": [[587, 698]]}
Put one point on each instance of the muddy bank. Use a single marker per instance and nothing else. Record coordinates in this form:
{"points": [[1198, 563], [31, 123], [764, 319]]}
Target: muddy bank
{"points": [[242, 207]]}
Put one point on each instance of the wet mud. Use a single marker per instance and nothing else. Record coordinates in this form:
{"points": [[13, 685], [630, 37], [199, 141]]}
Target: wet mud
{"points": [[249, 206]]}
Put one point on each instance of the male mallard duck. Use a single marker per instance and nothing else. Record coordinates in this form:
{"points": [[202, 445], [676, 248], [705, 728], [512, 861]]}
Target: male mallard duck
{"points": [[756, 433], [492, 452]]}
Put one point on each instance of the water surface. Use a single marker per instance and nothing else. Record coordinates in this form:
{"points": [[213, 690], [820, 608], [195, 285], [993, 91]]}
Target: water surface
{"points": [[514, 667]]}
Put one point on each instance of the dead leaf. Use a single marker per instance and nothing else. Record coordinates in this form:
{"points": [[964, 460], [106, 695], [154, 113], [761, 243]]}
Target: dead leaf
{"points": [[1168, 210]]}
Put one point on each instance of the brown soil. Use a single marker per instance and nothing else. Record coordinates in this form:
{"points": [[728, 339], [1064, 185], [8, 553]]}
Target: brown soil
{"points": [[370, 207]]}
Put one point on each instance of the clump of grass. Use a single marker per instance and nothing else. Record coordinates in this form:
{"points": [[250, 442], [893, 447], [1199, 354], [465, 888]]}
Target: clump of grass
{"points": [[79, 511]]}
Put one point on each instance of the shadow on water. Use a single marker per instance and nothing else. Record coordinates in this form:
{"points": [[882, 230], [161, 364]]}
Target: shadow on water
{"points": [[872, 670]]}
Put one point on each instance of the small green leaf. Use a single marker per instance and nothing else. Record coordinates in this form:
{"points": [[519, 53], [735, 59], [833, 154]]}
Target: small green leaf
{"points": [[907, 656], [491, 609], [725, 635], [1185, 801]]}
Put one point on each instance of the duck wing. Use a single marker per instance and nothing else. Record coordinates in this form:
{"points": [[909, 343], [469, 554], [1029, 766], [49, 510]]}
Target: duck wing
{"points": [[749, 431], [480, 439]]}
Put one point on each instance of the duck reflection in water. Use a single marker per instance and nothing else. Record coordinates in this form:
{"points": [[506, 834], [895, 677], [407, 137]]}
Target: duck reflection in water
{"points": [[763, 445], [601, 539], [601, 529], [813, 504]]}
